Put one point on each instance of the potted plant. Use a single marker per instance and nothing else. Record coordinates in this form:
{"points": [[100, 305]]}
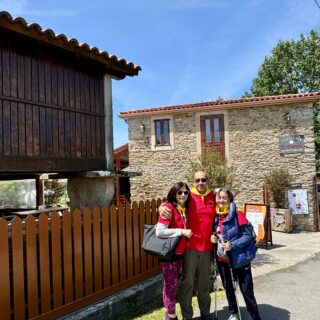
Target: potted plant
{"points": [[278, 182]]}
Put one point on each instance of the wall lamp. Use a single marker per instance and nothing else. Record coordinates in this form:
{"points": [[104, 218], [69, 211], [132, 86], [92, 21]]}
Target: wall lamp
{"points": [[142, 127], [287, 116]]}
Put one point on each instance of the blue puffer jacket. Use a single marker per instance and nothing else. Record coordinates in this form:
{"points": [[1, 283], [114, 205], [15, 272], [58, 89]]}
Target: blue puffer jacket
{"points": [[243, 248]]}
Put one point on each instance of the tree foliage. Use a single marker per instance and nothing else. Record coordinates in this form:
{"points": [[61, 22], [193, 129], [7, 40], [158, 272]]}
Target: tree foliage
{"points": [[219, 172], [55, 192], [293, 67]]}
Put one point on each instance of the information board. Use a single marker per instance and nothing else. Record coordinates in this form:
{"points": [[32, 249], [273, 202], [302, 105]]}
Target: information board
{"points": [[298, 201], [259, 216]]}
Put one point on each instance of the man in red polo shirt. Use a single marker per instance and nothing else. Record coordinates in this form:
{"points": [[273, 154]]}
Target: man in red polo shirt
{"points": [[197, 260]]}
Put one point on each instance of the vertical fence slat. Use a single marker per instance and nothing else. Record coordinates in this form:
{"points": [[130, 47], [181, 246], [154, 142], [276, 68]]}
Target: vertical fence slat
{"points": [[5, 271], [106, 247], [154, 206], [142, 221], [32, 267], [56, 259], [44, 263], [122, 243], [114, 245], [87, 251], [78, 254], [17, 266], [67, 258], [97, 249], [136, 239], [129, 241]]}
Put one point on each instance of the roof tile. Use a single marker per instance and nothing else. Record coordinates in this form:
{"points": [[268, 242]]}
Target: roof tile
{"points": [[234, 103], [19, 24]]}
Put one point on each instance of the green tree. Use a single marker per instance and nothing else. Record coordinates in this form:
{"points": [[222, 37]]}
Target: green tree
{"points": [[219, 172], [293, 67]]}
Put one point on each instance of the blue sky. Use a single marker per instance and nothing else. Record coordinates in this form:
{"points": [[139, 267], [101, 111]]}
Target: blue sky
{"points": [[189, 50]]}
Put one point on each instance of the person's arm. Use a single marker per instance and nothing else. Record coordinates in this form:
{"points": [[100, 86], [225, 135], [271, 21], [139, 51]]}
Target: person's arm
{"points": [[163, 231], [245, 238]]}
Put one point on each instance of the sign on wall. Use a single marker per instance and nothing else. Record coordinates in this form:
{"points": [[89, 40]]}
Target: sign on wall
{"points": [[298, 201], [291, 144]]}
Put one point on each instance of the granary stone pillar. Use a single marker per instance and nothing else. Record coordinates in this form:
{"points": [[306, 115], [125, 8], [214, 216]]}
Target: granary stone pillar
{"points": [[91, 189], [96, 188]]}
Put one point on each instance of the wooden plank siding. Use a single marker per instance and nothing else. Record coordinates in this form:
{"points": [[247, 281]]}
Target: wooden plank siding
{"points": [[51, 109], [55, 264]]}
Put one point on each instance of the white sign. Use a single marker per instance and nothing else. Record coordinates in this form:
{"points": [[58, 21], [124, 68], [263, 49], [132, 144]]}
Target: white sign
{"points": [[298, 201]]}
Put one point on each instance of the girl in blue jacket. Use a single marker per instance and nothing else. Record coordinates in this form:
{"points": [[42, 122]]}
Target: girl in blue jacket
{"points": [[234, 251]]}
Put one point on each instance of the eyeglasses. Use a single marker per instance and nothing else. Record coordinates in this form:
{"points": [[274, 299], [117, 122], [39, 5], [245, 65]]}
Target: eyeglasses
{"points": [[202, 180], [182, 192]]}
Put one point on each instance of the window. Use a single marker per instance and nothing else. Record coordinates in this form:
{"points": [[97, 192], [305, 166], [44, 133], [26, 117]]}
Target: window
{"points": [[212, 132], [162, 132]]}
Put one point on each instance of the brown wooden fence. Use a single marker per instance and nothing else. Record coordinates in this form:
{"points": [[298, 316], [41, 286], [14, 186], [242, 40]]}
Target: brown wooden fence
{"points": [[53, 265]]}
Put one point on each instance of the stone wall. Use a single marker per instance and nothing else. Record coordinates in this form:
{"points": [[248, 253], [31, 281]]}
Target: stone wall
{"points": [[253, 147], [160, 169]]}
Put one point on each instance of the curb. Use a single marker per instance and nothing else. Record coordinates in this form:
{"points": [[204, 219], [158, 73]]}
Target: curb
{"points": [[116, 305]]}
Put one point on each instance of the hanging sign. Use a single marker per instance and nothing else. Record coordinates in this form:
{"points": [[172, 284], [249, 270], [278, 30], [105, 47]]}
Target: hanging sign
{"points": [[291, 144]]}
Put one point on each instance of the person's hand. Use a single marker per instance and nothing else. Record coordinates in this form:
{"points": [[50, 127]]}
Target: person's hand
{"points": [[164, 212], [187, 233], [214, 238], [227, 246]]}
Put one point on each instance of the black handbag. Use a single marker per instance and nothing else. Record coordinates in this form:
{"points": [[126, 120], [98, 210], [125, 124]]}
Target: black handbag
{"points": [[163, 248]]}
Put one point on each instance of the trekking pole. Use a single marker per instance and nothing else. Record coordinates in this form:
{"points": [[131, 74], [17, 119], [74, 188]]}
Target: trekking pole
{"points": [[214, 284], [234, 282]]}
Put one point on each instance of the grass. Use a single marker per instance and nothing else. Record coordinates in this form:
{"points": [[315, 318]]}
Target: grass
{"points": [[154, 310]]}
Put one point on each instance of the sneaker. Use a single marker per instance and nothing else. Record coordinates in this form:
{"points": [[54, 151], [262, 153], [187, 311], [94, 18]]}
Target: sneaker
{"points": [[234, 317], [166, 317]]}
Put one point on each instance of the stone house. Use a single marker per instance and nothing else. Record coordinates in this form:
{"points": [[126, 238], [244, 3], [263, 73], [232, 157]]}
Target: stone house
{"points": [[255, 134]]}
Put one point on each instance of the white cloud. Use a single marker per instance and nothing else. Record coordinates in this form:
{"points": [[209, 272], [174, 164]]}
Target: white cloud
{"points": [[21, 8], [217, 4], [14, 7]]}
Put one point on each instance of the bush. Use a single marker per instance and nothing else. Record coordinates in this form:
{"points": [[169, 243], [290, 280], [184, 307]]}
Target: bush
{"points": [[278, 182], [55, 192], [219, 172]]}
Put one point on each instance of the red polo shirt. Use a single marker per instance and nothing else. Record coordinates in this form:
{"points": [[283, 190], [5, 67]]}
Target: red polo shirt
{"points": [[200, 218]]}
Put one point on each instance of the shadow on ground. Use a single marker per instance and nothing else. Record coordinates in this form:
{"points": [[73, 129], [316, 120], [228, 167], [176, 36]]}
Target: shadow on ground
{"points": [[267, 312]]}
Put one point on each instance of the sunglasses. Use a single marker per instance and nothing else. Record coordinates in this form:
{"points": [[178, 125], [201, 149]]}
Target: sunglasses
{"points": [[202, 180], [182, 192]]}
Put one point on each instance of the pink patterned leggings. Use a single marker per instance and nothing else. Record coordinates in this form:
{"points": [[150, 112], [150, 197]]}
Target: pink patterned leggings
{"points": [[170, 270]]}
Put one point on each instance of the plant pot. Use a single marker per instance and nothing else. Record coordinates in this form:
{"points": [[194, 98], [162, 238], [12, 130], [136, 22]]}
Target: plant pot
{"points": [[281, 220]]}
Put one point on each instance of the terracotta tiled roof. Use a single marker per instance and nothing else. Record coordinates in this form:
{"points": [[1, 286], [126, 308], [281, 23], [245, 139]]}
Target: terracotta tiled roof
{"points": [[123, 148], [119, 67], [222, 104]]}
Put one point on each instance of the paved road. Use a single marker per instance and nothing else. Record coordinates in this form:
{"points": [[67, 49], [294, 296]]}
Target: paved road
{"points": [[293, 293]]}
